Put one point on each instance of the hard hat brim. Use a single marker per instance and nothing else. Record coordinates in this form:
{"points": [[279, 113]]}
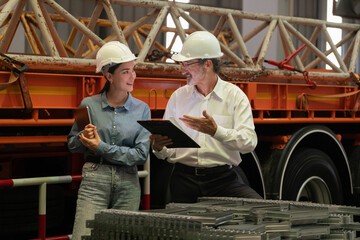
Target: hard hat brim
{"points": [[115, 61], [181, 58]]}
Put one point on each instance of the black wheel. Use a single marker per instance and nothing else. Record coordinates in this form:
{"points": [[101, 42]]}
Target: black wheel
{"points": [[312, 176]]}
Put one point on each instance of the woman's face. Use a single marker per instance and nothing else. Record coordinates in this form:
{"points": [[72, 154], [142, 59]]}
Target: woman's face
{"points": [[123, 77]]}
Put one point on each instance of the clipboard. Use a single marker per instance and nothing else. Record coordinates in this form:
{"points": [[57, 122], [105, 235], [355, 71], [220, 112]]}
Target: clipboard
{"points": [[167, 128], [82, 117]]}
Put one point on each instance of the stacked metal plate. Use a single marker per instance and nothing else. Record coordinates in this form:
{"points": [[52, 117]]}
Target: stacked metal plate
{"points": [[229, 218], [122, 225]]}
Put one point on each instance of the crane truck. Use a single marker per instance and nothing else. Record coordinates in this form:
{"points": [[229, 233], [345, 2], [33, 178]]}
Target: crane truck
{"points": [[305, 106]]}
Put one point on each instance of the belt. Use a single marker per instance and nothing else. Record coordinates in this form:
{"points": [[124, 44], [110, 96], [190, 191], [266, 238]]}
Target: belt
{"points": [[102, 161], [202, 171], [94, 159]]}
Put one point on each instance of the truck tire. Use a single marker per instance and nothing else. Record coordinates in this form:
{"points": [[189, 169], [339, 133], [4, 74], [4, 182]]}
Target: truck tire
{"points": [[312, 176]]}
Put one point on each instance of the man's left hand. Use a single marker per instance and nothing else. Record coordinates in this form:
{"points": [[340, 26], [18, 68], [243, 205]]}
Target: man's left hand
{"points": [[206, 124]]}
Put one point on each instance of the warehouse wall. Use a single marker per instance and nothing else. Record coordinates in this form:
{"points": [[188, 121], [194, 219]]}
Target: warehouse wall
{"points": [[272, 7]]}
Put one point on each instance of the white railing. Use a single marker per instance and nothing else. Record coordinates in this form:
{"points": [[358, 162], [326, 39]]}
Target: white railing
{"points": [[42, 182]]}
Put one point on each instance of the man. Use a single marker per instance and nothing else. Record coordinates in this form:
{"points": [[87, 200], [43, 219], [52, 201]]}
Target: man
{"points": [[218, 116]]}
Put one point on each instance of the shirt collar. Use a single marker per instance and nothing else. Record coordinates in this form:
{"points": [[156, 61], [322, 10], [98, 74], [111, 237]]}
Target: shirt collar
{"points": [[105, 103], [217, 91], [219, 88], [128, 102]]}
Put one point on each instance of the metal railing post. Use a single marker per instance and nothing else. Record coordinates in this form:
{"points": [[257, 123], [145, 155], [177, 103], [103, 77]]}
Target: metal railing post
{"points": [[42, 211], [43, 181]]}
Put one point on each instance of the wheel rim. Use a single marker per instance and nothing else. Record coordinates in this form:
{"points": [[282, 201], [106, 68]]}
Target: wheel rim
{"points": [[314, 189]]}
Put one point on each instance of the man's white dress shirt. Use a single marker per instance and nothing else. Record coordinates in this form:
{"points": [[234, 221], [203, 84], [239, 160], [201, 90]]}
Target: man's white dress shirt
{"points": [[231, 110]]}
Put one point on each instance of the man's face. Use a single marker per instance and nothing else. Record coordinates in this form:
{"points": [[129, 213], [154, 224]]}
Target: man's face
{"points": [[193, 71]]}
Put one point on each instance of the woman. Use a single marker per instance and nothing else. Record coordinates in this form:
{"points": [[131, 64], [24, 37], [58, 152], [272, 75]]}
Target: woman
{"points": [[114, 143]]}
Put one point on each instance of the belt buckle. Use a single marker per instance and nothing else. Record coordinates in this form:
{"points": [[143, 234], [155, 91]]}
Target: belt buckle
{"points": [[198, 174]]}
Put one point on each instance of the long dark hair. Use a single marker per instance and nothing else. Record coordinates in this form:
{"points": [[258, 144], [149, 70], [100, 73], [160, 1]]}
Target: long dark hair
{"points": [[111, 70]]}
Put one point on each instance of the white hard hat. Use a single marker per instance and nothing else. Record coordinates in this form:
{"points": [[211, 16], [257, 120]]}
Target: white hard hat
{"points": [[113, 52], [200, 44]]}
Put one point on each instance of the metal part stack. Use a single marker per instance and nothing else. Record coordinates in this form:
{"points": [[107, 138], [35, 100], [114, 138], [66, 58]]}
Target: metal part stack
{"points": [[229, 218]]}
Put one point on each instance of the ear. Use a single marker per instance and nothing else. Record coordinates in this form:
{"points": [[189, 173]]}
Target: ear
{"points": [[208, 63], [108, 76]]}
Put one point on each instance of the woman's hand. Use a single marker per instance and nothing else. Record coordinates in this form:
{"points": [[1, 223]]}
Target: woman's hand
{"points": [[89, 131], [92, 140]]}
